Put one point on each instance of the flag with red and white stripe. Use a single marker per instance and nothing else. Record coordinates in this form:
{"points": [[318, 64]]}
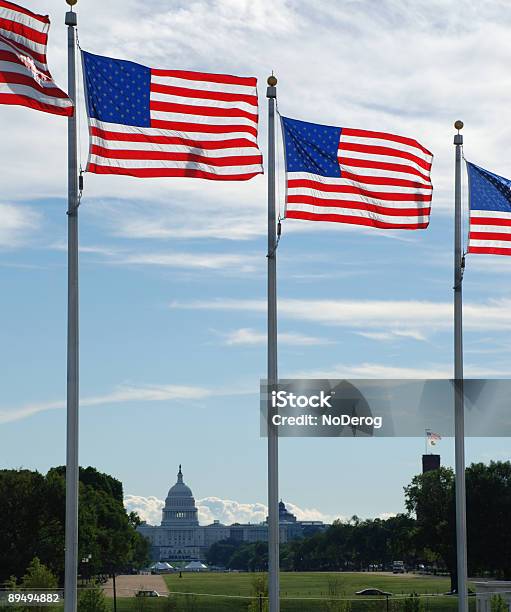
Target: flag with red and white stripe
{"points": [[25, 79], [146, 122], [490, 212], [356, 176]]}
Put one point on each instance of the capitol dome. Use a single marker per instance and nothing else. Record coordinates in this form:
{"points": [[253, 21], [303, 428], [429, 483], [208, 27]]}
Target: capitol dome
{"points": [[180, 508]]}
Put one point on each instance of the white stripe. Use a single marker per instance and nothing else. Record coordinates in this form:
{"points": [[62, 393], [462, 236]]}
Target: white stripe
{"points": [[320, 210], [185, 118], [25, 90], [149, 163], [246, 90], [42, 79], [495, 244], [121, 145], [495, 214], [205, 136], [388, 159], [329, 180], [5, 46], [389, 174], [353, 197], [26, 20], [381, 142], [160, 97], [23, 40], [492, 229]]}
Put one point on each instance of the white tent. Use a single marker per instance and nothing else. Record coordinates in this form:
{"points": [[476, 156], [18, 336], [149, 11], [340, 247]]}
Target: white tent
{"points": [[161, 566], [196, 566]]}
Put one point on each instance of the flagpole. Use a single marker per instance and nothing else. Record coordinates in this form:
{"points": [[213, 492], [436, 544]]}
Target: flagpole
{"points": [[72, 470], [273, 458], [459, 408]]}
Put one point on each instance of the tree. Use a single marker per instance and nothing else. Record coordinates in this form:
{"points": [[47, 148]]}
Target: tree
{"points": [[92, 600], [259, 588], [430, 497]]}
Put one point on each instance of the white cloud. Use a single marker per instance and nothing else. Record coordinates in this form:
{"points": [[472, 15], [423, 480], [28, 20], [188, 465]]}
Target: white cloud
{"points": [[122, 394], [251, 337], [405, 318], [16, 224], [227, 511], [384, 371], [147, 508]]}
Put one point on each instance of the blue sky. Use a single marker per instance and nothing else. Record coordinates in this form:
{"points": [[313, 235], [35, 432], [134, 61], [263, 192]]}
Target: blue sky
{"points": [[173, 271]]}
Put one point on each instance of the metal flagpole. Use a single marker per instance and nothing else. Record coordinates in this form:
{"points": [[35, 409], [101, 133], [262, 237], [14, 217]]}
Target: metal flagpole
{"points": [[273, 441], [72, 473], [459, 408]]}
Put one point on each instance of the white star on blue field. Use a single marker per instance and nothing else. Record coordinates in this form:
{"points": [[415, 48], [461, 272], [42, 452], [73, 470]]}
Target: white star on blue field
{"points": [[173, 272]]}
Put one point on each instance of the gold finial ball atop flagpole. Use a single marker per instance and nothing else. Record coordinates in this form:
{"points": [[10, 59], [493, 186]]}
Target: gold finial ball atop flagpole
{"points": [[458, 125], [272, 81], [71, 2]]}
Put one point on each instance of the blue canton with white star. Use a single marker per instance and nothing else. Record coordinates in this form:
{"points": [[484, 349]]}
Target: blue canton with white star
{"points": [[488, 191], [117, 91], [311, 147]]}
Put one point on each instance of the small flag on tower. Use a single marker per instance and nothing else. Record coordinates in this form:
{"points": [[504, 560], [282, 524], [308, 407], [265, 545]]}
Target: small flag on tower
{"points": [[146, 122], [433, 438], [490, 212], [25, 79], [356, 176]]}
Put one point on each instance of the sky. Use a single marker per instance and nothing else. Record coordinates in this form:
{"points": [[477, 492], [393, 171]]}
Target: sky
{"points": [[173, 271]]}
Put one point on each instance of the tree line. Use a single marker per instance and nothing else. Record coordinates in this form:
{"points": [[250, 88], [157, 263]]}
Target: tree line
{"points": [[32, 507], [425, 534]]}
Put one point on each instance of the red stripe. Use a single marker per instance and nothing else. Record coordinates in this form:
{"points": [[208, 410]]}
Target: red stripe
{"points": [[168, 172], [365, 163], [21, 79], [204, 76], [8, 56], [202, 127], [353, 220], [203, 94], [489, 221], [15, 7], [383, 210], [328, 188], [23, 30], [31, 103], [173, 140], [243, 160], [384, 180], [383, 135], [375, 150], [489, 250], [39, 57], [489, 236], [203, 111]]}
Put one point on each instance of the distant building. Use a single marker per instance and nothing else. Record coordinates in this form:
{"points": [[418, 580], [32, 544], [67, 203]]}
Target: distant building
{"points": [[430, 463], [179, 537]]}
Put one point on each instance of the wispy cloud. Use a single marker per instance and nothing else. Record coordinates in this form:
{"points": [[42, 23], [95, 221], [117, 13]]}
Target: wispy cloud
{"points": [[17, 223], [121, 394], [246, 336], [405, 318]]}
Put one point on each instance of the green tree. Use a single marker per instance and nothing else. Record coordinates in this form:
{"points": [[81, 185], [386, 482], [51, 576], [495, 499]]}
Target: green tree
{"points": [[259, 592], [498, 604], [38, 576], [92, 599], [430, 497]]}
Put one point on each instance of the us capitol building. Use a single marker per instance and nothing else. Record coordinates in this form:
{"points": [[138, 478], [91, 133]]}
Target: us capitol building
{"points": [[181, 538]]}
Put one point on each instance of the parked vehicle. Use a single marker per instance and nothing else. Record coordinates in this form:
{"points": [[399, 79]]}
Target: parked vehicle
{"points": [[398, 567], [147, 594]]}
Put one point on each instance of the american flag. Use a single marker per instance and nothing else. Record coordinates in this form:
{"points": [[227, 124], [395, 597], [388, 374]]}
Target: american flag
{"points": [[24, 76], [490, 212], [148, 123], [356, 176], [433, 438]]}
